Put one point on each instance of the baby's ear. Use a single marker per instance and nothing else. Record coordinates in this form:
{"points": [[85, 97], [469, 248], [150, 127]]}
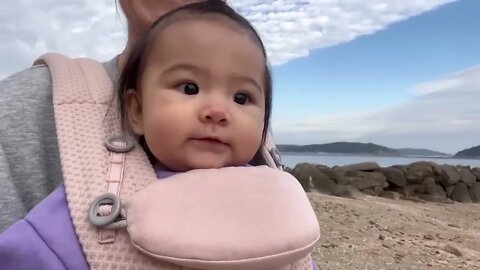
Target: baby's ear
{"points": [[133, 106]]}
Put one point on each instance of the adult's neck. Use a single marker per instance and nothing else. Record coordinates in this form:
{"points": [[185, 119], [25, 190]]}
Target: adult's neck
{"points": [[122, 58], [132, 38]]}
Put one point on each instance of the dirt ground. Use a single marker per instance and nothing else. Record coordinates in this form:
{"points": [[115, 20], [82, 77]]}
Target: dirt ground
{"points": [[379, 233]]}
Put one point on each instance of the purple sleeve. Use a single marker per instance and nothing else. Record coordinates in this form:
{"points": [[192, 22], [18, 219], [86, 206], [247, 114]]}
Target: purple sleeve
{"points": [[45, 239], [21, 247], [314, 265]]}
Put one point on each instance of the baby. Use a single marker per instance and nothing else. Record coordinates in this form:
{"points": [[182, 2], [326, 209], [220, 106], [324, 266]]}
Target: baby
{"points": [[197, 91]]}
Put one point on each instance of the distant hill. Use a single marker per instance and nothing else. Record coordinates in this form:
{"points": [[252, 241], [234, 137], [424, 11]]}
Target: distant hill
{"points": [[340, 148], [473, 152], [420, 152]]}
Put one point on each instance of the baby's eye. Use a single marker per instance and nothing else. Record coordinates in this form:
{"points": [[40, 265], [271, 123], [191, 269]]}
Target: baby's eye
{"points": [[189, 88], [241, 98]]}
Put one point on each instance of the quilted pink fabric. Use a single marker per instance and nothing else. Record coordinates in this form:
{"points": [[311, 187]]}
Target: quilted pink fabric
{"points": [[230, 218]]}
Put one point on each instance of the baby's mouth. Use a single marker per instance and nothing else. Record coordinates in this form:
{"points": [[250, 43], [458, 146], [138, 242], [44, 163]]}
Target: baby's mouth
{"points": [[210, 144], [210, 139]]}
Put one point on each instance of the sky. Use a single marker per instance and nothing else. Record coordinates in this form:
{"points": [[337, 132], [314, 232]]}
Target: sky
{"points": [[392, 72]]}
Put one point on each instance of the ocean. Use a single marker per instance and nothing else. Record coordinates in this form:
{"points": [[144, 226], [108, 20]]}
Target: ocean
{"points": [[291, 159]]}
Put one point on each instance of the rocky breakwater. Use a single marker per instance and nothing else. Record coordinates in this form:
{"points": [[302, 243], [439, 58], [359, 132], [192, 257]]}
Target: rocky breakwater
{"points": [[422, 181]]}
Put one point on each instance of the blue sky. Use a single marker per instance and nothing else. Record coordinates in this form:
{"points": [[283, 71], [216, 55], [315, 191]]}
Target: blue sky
{"points": [[396, 73], [379, 70]]}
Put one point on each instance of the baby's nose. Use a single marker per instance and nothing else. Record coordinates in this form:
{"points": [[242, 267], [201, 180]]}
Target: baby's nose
{"points": [[214, 114]]}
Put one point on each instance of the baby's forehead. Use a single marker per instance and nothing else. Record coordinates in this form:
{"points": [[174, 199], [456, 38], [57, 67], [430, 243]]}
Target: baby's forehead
{"points": [[187, 18], [192, 16], [197, 32]]}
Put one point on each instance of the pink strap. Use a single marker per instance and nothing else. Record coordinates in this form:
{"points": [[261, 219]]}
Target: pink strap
{"points": [[84, 75], [116, 169], [270, 153], [114, 183]]}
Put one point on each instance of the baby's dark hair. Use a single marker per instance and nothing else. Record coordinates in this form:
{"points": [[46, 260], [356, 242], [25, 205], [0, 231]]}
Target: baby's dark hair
{"points": [[131, 73]]}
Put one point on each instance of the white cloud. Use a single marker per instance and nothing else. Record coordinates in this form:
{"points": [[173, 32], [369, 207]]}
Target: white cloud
{"points": [[465, 80], [443, 116], [29, 28], [290, 28]]}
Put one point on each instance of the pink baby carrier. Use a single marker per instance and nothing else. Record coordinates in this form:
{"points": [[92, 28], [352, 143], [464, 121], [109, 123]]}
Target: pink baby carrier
{"points": [[255, 217]]}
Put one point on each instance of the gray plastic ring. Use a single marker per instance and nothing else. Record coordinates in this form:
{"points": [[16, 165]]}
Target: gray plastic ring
{"points": [[104, 199], [110, 144]]}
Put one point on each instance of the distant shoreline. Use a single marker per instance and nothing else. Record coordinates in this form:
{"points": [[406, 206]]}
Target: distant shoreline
{"points": [[372, 155], [374, 150]]}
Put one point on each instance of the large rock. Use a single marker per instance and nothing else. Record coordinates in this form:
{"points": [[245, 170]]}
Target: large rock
{"points": [[340, 177], [303, 173], [364, 166], [437, 170], [377, 190], [401, 167], [418, 171], [311, 179], [408, 191], [467, 177], [373, 191], [435, 194], [348, 192], [323, 183], [450, 176], [461, 193], [449, 190], [327, 171], [420, 166], [476, 172], [460, 167], [364, 180], [475, 192], [427, 186], [394, 176], [344, 180]]}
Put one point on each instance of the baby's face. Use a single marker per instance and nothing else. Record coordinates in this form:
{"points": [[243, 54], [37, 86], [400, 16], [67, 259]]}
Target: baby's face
{"points": [[202, 97]]}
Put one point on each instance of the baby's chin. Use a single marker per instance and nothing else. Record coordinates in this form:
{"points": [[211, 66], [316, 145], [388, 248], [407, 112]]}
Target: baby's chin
{"points": [[205, 161], [211, 164]]}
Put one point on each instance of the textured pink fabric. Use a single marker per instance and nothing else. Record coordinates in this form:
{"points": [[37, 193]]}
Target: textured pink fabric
{"points": [[86, 115], [269, 145], [230, 218], [115, 172]]}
